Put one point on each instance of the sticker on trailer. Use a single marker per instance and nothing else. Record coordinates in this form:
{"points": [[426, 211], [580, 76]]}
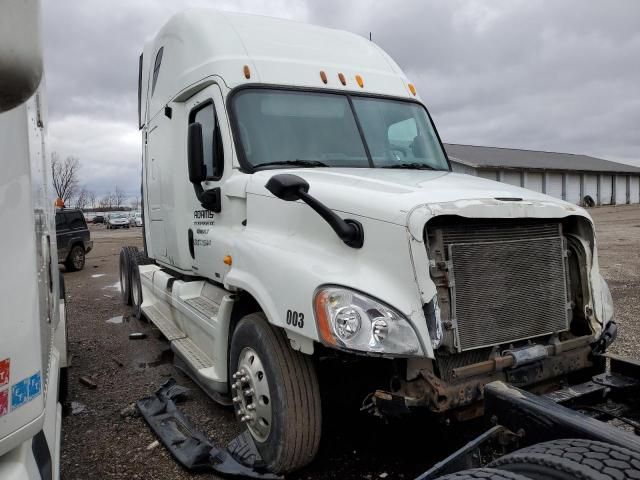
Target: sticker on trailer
{"points": [[4, 402], [25, 390], [5, 367]]}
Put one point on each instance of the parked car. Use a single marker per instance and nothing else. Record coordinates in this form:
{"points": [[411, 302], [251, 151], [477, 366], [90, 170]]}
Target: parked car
{"points": [[138, 220], [73, 237], [98, 219], [118, 220]]}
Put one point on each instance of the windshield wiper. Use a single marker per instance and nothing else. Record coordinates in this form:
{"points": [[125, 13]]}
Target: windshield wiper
{"points": [[296, 163], [411, 166]]}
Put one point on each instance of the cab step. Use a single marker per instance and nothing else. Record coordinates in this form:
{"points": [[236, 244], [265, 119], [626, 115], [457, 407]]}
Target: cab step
{"points": [[168, 329]]}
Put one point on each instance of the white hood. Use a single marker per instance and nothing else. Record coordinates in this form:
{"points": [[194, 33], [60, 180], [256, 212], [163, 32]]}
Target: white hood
{"points": [[390, 194]]}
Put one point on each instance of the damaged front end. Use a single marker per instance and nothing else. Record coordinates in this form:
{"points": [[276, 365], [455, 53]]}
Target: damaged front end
{"points": [[515, 299]]}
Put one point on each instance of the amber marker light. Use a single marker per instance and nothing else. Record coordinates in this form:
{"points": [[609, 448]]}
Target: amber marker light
{"points": [[343, 80], [324, 327], [247, 72], [227, 260], [360, 81], [323, 76], [412, 89]]}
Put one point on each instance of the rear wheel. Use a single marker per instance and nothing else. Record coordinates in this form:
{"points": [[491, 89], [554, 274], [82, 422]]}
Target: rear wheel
{"points": [[276, 394], [569, 459], [125, 273], [136, 259], [75, 259]]}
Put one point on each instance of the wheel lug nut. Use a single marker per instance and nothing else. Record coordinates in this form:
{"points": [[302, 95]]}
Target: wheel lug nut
{"points": [[236, 399], [251, 406], [248, 392], [244, 379]]}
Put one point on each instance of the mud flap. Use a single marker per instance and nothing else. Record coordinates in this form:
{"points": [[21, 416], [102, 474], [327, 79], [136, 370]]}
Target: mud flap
{"points": [[190, 446]]}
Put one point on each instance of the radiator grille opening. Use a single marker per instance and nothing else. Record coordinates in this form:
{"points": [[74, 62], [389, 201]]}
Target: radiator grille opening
{"points": [[507, 281]]}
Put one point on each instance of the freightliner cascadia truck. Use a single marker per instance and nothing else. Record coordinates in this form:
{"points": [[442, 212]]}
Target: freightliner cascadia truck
{"points": [[33, 353], [299, 205]]}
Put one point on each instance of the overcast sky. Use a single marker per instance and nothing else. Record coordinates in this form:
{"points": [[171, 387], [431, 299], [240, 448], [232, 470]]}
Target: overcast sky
{"points": [[556, 75]]}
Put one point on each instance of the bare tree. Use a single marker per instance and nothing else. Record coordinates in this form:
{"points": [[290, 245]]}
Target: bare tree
{"points": [[135, 203], [92, 198], [118, 197], [107, 201], [81, 200], [64, 174]]}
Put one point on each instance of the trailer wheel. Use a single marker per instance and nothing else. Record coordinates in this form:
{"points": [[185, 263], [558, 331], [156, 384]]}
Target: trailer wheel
{"points": [[275, 392], [75, 259], [569, 459], [483, 473]]}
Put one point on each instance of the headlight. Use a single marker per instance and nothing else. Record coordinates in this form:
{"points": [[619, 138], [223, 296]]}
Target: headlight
{"points": [[351, 320], [606, 301]]}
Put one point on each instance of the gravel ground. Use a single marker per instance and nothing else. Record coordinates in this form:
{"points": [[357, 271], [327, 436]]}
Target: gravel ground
{"points": [[102, 441]]}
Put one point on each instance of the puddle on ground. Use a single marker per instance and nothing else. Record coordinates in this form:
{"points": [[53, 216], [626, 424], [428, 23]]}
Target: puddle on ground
{"points": [[118, 319], [166, 356], [77, 407], [115, 286]]}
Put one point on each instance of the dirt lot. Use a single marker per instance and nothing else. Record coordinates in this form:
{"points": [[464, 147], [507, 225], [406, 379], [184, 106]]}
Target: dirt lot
{"points": [[102, 441]]}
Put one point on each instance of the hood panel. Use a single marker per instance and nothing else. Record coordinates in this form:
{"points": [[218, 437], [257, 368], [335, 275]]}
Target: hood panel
{"points": [[389, 195]]}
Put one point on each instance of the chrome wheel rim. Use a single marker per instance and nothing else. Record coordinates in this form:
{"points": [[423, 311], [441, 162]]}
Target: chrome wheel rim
{"points": [[251, 396]]}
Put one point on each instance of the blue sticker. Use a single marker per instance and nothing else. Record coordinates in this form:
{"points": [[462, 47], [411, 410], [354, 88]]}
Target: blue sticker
{"points": [[25, 390], [19, 394], [34, 385]]}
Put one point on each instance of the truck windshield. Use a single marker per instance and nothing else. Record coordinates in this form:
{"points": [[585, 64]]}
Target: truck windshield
{"points": [[297, 128]]}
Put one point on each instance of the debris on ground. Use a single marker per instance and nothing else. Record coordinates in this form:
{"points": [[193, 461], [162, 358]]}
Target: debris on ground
{"points": [[137, 336], [153, 445], [129, 411], [190, 446], [77, 407], [87, 382]]}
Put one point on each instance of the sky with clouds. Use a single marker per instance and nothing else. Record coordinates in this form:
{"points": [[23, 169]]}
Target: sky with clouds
{"points": [[556, 75]]}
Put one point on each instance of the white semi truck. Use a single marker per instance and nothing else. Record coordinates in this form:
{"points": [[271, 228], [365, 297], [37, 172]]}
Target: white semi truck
{"points": [[33, 353], [299, 204]]}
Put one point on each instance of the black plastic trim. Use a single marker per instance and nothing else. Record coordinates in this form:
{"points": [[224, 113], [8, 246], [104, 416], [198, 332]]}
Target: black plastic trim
{"points": [[246, 167], [42, 455]]}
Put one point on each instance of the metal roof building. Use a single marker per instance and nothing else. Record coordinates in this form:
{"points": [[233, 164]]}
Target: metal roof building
{"points": [[579, 179]]}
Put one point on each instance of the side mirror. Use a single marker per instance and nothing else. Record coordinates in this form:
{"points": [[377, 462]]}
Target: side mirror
{"points": [[287, 187], [195, 154], [290, 188]]}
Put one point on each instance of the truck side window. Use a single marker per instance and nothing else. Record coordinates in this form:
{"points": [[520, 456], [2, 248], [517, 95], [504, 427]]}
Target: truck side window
{"points": [[76, 221], [156, 69], [211, 139]]}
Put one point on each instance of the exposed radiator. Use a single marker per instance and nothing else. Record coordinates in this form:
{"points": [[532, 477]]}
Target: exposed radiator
{"points": [[507, 281]]}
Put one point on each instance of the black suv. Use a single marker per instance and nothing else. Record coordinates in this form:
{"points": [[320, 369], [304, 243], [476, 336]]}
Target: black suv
{"points": [[73, 237]]}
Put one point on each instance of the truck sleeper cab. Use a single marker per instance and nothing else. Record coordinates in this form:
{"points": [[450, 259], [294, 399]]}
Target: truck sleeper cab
{"points": [[298, 203]]}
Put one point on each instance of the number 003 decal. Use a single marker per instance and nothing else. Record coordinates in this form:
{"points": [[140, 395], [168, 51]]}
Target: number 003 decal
{"points": [[295, 319]]}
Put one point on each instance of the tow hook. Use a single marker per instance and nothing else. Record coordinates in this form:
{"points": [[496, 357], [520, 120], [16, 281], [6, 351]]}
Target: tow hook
{"points": [[384, 405], [609, 334]]}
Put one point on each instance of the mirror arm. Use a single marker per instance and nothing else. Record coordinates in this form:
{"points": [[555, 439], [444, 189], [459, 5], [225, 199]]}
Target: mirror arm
{"points": [[350, 231]]}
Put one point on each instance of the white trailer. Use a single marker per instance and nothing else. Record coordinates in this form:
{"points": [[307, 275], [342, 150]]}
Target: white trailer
{"points": [[298, 204], [32, 324]]}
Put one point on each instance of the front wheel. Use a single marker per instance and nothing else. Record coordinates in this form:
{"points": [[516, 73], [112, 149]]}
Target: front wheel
{"points": [[276, 394]]}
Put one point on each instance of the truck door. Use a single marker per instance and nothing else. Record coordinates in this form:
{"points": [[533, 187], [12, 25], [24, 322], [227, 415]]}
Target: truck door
{"points": [[156, 154], [209, 235]]}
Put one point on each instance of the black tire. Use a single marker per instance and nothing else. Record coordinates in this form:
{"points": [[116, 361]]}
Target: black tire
{"points": [[125, 274], [76, 258], [294, 392], [137, 258], [568, 459], [483, 473]]}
